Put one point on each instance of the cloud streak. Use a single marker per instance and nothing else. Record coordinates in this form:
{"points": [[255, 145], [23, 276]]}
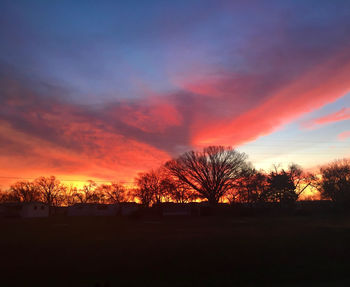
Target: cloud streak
{"points": [[310, 91], [341, 115], [344, 135]]}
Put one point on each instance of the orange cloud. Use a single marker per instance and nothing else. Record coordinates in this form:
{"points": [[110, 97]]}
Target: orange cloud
{"points": [[102, 156], [48, 136]]}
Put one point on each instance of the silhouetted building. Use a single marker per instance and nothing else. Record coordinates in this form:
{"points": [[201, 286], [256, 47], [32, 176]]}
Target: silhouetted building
{"points": [[178, 209], [128, 208], [59, 210], [314, 205], [24, 209], [92, 209]]}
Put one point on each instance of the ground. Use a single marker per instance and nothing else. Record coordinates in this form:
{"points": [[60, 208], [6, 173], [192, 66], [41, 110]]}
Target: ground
{"points": [[202, 251]]}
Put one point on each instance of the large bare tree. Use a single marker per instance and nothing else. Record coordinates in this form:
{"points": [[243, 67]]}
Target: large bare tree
{"points": [[210, 172], [50, 189]]}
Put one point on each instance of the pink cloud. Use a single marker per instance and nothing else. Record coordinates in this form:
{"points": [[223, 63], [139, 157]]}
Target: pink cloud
{"points": [[151, 118], [45, 136], [344, 135], [315, 88], [341, 115]]}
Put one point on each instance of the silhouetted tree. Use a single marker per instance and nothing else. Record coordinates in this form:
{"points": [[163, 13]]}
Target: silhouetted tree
{"points": [[68, 195], [281, 187], [335, 182], [287, 185], [113, 193], [167, 187], [24, 191], [4, 196], [210, 172], [89, 193], [148, 188], [181, 193], [50, 190], [249, 188], [301, 179]]}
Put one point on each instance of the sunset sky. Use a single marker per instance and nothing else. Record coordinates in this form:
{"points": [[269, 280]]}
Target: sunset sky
{"points": [[106, 89]]}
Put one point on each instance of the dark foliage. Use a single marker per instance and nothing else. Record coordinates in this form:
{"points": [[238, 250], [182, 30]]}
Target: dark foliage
{"points": [[211, 173], [335, 182]]}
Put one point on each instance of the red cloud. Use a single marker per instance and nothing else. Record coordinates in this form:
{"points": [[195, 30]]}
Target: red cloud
{"points": [[341, 115]]}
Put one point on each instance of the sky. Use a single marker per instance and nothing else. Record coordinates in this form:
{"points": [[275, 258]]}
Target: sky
{"points": [[104, 90]]}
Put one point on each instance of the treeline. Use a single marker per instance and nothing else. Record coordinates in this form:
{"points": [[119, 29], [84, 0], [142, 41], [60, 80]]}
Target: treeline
{"points": [[51, 191], [214, 174]]}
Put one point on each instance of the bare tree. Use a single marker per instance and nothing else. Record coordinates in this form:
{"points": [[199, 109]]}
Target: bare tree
{"points": [[24, 191], [89, 193], [249, 187], [50, 190], [210, 172], [114, 192], [181, 193], [149, 188], [68, 195], [302, 180]]}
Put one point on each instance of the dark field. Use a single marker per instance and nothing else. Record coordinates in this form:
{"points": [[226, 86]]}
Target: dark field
{"points": [[207, 251]]}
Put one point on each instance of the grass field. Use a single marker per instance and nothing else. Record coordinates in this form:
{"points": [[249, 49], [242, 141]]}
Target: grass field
{"points": [[205, 251]]}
